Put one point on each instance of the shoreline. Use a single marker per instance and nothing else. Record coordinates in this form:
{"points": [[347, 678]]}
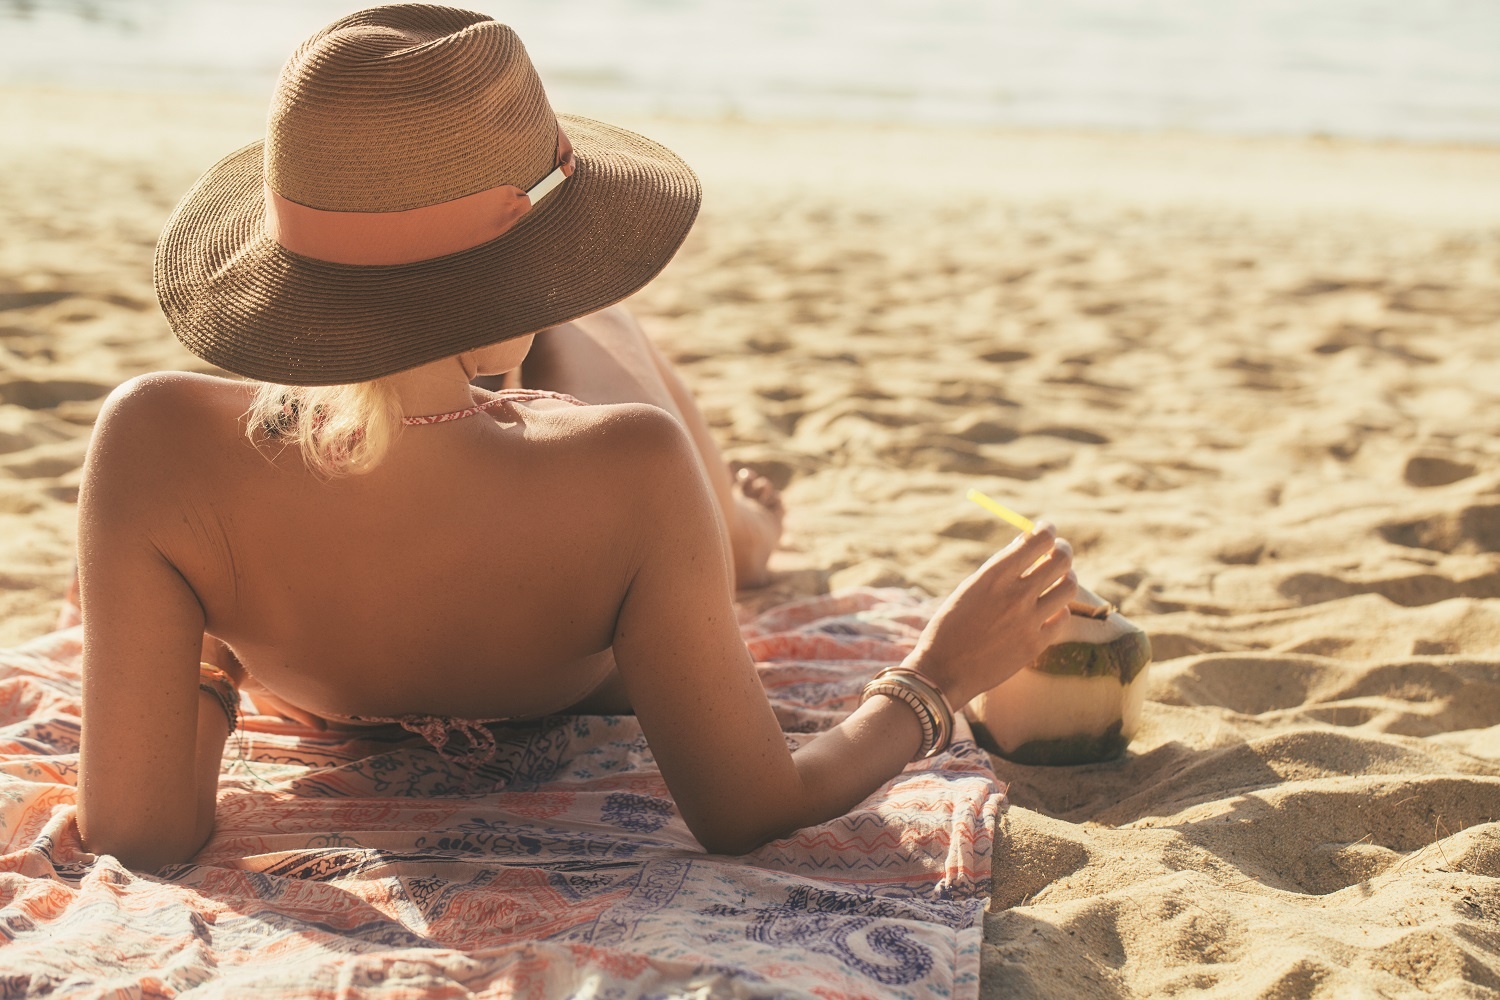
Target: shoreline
{"points": [[1285, 176]]}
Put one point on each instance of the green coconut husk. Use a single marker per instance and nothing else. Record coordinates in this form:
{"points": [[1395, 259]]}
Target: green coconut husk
{"points": [[1123, 657], [1079, 702]]}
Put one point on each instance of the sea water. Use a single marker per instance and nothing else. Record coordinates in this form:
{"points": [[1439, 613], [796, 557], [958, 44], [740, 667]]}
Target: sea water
{"points": [[1426, 70]]}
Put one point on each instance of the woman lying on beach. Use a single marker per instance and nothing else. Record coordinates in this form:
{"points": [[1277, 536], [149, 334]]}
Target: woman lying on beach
{"points": [[379, 541]]}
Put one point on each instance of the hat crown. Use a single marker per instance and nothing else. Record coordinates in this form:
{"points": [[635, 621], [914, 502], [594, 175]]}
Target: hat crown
{"points": [[406, 106]]}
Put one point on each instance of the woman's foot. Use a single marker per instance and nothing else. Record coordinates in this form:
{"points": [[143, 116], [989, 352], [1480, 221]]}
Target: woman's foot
{"points": [[755, 525], [607, 358]]}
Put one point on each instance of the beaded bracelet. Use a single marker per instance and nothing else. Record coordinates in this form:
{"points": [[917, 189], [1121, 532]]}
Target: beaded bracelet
{"points": [[216, 682], [913, 689]]}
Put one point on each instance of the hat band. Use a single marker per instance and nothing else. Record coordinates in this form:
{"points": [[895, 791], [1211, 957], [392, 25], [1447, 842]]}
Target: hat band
{"points": [[415, 234]]}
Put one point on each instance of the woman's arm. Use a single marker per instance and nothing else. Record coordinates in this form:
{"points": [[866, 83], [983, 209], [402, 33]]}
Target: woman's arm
{"points": [[702, 708], [152, 743]]}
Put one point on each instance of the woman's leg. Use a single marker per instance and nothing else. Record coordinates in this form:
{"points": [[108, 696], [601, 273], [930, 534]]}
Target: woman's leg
{"points": [[607, 358]]}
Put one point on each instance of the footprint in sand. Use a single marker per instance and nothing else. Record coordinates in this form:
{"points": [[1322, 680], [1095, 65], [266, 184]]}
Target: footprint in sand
{"points": [[1171, 645], [1430, 697], [768, 345], [943, 453], [30, 300], [1346, 808], [1407, 697], [45, 466], [1377, 338], [1328, 286], [128, 302], [984, 430], [18, 502], [978, 528], [20, 430], [43, 394], [1005, 357], [1247, 683], [1082, 435], [1347, 830], [1436, 470], [1408, 589], [1471, 529]]}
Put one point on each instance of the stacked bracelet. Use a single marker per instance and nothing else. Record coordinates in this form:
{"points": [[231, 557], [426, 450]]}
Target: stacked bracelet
{"points": [[918, 692], [212, 680]]}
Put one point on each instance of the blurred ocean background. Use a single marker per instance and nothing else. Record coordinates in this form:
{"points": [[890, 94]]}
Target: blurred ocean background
{"points": [[1426, 70]]}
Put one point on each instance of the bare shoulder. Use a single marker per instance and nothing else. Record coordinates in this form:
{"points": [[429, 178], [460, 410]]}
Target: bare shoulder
{"points": [[157, 427], [175, 400], [636, 457], [619, 432], [170, 396]]}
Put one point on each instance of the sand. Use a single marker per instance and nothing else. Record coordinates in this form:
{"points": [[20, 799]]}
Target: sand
{"points": [[1256, 383]]}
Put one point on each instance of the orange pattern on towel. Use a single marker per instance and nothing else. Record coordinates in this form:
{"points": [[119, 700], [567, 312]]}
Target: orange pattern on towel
{"points": [[364, 864]]}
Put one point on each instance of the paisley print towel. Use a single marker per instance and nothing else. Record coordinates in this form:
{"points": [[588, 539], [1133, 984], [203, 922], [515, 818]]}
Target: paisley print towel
{"points": [[370, 867]]}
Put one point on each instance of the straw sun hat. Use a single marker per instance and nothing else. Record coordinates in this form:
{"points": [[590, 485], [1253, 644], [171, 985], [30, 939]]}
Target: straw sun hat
{"points": [[414, 197]]}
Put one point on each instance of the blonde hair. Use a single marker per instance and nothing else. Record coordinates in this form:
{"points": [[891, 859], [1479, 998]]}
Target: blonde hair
{"points": [[341, 430]]}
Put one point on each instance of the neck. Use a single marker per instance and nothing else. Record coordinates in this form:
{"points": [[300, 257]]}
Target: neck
{"points": [[436, 387]]}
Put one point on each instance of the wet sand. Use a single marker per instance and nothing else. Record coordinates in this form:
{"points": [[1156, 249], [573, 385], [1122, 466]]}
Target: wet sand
{"points": [[1254, 381]]}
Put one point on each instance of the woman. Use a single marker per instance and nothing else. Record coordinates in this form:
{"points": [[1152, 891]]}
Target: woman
{"points": [[376, 540]]}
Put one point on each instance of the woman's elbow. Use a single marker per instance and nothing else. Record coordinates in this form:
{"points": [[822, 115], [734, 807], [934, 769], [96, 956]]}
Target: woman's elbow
{"points": [[138, 855], [732, 844], [139, 847], [734, 838]]}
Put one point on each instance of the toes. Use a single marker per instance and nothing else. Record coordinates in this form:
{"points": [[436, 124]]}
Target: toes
{"points": [[771, 498], [755, 524], [758, 488]]}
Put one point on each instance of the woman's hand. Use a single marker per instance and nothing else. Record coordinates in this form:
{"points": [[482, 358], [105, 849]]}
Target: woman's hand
{"points": [[1000, 618]]}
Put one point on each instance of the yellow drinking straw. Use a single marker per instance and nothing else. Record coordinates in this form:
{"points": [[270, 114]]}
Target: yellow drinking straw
{"points": [[1001, 511]]}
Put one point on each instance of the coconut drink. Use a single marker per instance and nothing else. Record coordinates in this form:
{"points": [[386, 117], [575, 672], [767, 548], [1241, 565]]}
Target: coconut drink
{"points": [[1079, 702]]}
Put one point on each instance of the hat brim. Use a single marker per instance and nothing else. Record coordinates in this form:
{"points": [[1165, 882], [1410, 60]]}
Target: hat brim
{"points": [[238, 299]]}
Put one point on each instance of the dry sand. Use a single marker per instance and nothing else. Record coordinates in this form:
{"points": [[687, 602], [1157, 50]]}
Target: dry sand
{"points": [[1257, 383]]}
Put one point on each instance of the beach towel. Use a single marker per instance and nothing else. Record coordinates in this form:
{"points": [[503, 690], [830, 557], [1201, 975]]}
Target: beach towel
{"points": [[367, 866]]}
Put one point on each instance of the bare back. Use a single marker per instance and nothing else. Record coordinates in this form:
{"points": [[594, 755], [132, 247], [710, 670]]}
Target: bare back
{"points": [[481, 570], [476, 572]]}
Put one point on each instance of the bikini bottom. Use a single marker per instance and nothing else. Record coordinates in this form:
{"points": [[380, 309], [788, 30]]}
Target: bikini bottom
{"points": [[440, 731]]}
